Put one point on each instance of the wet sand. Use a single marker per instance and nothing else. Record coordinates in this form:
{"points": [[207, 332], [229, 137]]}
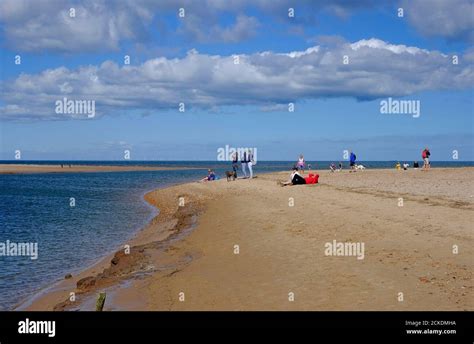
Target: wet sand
{"points": [[187, 258], [30, 168]]}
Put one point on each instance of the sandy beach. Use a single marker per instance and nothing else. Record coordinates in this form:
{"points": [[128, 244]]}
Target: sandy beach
{"points": [[31, 168], [253, 245]]}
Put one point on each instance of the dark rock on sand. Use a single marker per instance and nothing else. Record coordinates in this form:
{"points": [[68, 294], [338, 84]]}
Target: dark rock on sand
{"points": [[86, 283]]}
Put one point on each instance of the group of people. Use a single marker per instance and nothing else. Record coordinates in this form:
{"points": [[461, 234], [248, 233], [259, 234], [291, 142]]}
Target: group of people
{"points": [[246, 161], [425, 155], [333, 167], [296, 177]]}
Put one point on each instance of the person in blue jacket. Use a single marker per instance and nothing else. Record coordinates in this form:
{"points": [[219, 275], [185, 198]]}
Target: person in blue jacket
{"points": [[352, 161], [210, 176]]}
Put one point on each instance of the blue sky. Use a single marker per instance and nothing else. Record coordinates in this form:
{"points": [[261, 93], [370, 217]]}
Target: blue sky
{"points": [[190, 60]]}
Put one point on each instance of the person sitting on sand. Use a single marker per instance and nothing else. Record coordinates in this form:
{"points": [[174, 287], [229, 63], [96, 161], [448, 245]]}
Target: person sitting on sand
{"points": [[416, 165], [295, 178], [340, 166], [398, 166], [332, 167], [210, 176], [405, 166]]}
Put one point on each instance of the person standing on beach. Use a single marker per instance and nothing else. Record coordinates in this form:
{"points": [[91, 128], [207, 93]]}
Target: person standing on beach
{"points": [[250, 163], [352, 161], [301, 163], [243, 161], [235, 163], [426, 158]]}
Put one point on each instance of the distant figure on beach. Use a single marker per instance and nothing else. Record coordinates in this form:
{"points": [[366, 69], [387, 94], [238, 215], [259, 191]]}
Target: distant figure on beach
{"points": [[62, 165], [235, 163], [352, 161], [243, 162], [398, 166], [332, 167], [247, 160], [210, 176], [301, 163], [250, 162], [405, 166], [415, 165], [426, 159], [295, 178], [340, 166]]}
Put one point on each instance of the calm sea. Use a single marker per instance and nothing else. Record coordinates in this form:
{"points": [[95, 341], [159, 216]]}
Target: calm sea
{"points": [[109, 209]]}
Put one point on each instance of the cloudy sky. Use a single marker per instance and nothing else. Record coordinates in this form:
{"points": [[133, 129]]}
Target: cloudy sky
{"points": [[234, 67]]}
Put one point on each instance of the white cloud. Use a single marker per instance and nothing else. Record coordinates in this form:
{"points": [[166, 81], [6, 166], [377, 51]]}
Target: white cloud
{"points": [[451, 19], [45, 25], [376, 69], [97, 25], [379, 44]]}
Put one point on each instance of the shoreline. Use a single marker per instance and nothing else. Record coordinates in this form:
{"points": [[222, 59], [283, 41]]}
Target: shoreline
{"points": [[30, 299], [53, 295], [35, 168], [154, 256]]}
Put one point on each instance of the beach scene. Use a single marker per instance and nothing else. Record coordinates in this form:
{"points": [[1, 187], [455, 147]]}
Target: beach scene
{"points": [[241, 156]]}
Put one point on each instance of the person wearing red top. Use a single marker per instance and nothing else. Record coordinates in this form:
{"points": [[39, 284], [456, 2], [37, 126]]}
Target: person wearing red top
{"points": [[426, 159]]}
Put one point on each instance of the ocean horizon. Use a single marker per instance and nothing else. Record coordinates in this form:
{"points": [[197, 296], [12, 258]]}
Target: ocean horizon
{"points": [[320, 164]]}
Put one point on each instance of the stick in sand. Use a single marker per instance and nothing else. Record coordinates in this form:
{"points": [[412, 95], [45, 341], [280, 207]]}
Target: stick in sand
{"points": [[100, 302]]}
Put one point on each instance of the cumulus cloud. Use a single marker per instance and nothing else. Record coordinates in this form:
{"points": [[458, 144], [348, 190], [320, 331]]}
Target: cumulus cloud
{"points": [[46, 25], [375, 69], [451, 19]]}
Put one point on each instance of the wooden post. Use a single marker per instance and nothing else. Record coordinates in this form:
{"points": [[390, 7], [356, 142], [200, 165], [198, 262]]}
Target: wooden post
{"points": [[100, 302]]}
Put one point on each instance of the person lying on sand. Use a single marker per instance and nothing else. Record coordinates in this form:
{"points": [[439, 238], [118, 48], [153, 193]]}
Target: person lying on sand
{"points": [[295, 178], [210, 176]]}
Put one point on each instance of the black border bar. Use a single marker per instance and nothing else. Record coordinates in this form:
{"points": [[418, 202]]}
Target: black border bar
{"points": [[135, 326]]}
